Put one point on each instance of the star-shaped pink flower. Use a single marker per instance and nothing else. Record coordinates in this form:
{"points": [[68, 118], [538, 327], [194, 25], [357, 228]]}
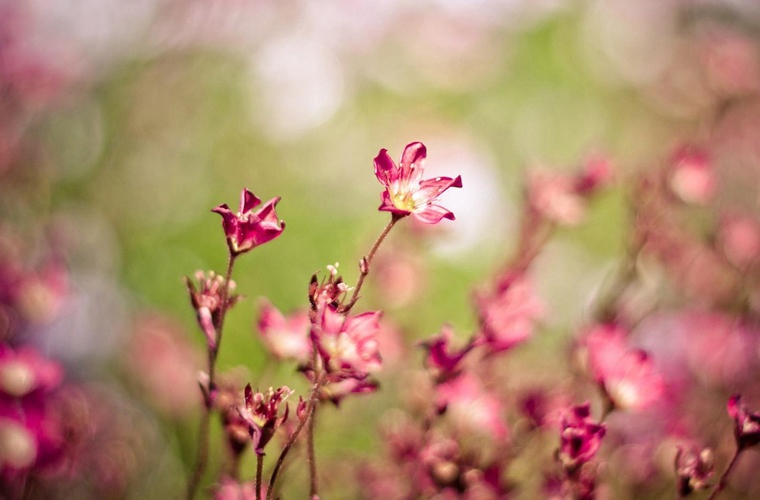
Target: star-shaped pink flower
{"points": [[248, 229], [405, 191]]}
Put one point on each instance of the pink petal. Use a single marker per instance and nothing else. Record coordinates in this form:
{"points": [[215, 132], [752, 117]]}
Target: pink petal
{"points": [[430, 189], [432, 214], [229, 219], [332, 321], [412, 161], [248, 201], [363, 325], [385, 170]]}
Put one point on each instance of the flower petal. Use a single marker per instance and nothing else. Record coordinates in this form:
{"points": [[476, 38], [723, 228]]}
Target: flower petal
{"points": [[248, 201], [385, 170], [430, 189], [432, 214], [388, 206], [412, 162]]}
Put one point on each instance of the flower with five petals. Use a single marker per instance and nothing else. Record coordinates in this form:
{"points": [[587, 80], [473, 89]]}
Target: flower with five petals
{"points": [[405, 191], [248, 229]]}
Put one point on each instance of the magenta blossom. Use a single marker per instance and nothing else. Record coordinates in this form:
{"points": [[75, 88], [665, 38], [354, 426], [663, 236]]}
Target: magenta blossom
{"points": [[25, 370], [261, 413], [248, 229], [580, 437], [405, 191], [746, 423], [443, 361], [348, 345], [694, 469]]}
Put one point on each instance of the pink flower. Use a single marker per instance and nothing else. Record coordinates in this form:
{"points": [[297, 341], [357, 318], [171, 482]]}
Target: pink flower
{"points": [[627, 376], [580, 437], [472, 407], [746, 423], [247, 229], [739, 236], [261, 413], [693, 470], [207, 302], [441, 359], [348, 345], [508, 317], [286, 337], [405, 191], [555, 197]]}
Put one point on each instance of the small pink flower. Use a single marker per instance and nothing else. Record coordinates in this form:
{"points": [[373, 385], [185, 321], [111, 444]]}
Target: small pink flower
{"points": [[286, 337], [348, 345], [627, 376], [580, 437], [248, 229], [207, 302], [555, 197], [694, 469], [405, 191], [441, 359], [692, 178], [746, 423], [261, 413], [508, 316]]}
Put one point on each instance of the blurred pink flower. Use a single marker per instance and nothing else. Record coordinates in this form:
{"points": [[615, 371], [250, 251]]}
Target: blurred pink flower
{"points": [[692, 178], [627, 376], [25, 370], [554, 196], [464, 399], [286, 338], [739, 236], [248, 229], [231, 489], [207, 302], [580, 437], [348, 345], [443, 361], [508, 316], [746, 422], [405, 191], [694, 468], [165, 363]]}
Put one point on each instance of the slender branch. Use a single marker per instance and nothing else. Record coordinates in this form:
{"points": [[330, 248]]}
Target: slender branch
{"points": [[201, 458], [291, 441], [366, 261], [311, 457], [724, 478], [259, 471]]}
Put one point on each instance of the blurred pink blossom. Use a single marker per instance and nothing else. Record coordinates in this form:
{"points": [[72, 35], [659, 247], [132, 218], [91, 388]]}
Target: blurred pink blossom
{"points": [[692, 178], [286, 337]]}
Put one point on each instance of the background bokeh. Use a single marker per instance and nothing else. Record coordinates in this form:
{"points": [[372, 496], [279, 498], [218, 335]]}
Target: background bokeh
{"points": [[124, 123]]}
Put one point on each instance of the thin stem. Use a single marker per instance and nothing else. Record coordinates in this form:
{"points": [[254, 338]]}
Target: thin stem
{"points": [[259, 471], [291, 441], [201, 458], [310, 449], [366, 261], [724, 478]]}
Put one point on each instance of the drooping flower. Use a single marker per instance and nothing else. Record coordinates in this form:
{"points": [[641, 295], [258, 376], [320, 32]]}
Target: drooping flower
{"points": [[580, 437], [286, 337], [348, 344], [248, 229], [405, 191], [746, 423], [261, 413]]}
